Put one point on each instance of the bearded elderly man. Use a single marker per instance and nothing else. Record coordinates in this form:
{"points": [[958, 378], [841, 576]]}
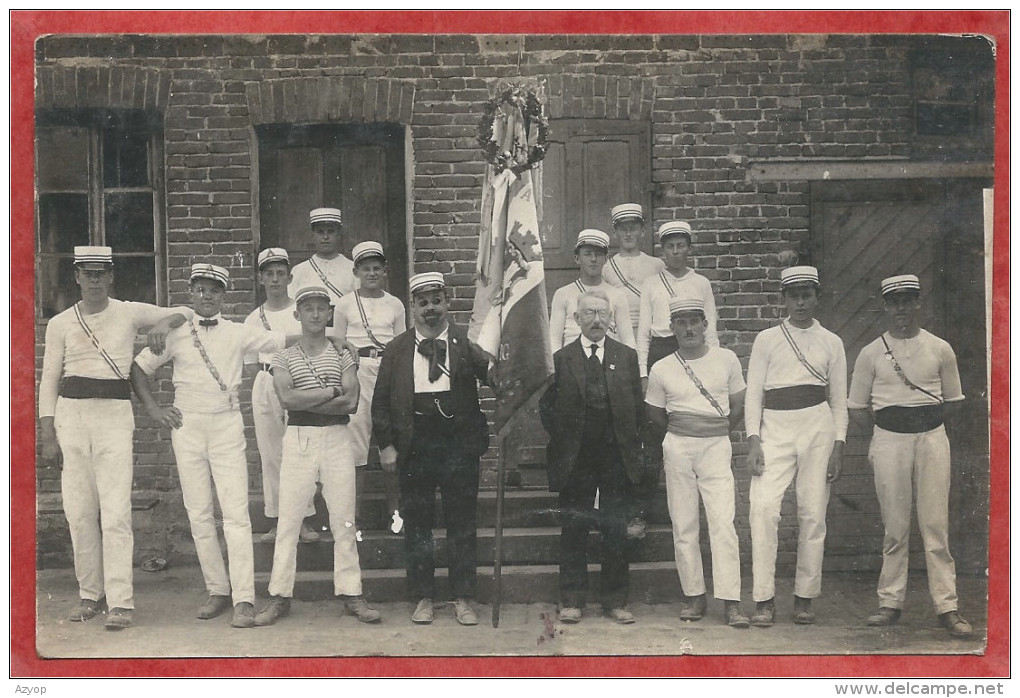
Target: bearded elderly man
{"points": [[592, 411]]}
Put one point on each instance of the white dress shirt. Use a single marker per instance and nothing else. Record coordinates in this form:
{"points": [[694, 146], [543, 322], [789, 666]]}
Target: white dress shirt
{"points": [[421, 366]]}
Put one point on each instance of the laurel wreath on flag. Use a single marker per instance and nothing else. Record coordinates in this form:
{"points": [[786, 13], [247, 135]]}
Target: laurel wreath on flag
{"points": [[514, 131]]}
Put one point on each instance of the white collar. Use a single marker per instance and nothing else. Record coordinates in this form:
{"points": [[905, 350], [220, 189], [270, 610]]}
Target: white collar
{"points": [[586, 343], [419, 337]]}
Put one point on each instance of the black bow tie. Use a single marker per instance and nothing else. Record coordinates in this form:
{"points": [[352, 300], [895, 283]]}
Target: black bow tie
{"points": [[208, 323], [435, 351]]}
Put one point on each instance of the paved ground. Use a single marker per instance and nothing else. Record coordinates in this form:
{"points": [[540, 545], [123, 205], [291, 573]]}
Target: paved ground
{"points": [[166, 627]]}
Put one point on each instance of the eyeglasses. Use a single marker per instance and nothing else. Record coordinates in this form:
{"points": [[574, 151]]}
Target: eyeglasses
{"points": [[588, 314]]}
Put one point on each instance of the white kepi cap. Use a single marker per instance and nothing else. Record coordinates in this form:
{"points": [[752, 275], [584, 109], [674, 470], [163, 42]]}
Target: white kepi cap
{"points": [[903, 282], [273, 254], [311, 292], [210, 271], [593, 237], [626, 211], [427, 281], [369, 248], [670, 228], [321, 215], [686, 305], [93, 257], [794, 276]]}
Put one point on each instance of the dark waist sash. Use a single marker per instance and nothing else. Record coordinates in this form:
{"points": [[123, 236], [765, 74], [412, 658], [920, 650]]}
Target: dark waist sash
{"points": [[909, 420], [661, 347], [698, 425], [370, 353], [80, 388], [796, 397], [297, 418], [434, 404]]}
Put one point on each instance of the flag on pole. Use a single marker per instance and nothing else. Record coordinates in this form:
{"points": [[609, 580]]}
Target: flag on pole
{"points": [[510, 318]]}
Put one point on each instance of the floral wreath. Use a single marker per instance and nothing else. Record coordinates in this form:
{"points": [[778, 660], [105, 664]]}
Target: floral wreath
{"points": [[514, 131]]}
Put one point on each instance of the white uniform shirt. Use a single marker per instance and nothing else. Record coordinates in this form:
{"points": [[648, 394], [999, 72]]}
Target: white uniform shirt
{"points": [[282, 320], [774, 364], [563, 328], [69, 351], [670, 387], [226, 344], [628, 274], [421, 366], [654, 318], [928, 361], [386, 318], [339, 271]]}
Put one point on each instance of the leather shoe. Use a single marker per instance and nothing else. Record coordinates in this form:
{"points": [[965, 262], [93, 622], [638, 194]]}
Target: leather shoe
{"points": [[244, 615], [357, 606], [118, 618], [277, 608], [694, 608], [802, 614], [307, 535], [621, 616], [955, 624], [570, 614], [764, 615], [465, 614], [424, 612], [636, 528], [735, 618], [885, 616], [269, 536], [86, 610], [214, 606]]}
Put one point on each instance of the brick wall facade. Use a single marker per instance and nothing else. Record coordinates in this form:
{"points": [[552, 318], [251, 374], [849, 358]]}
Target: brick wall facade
{"points": [[715, 103]]}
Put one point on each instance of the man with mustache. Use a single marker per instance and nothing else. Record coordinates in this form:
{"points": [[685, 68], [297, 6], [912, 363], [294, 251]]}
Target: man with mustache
{"points": [[431, 431], [695, 397], [590, 254], [592, 412], [909, 379], [796, 418]]}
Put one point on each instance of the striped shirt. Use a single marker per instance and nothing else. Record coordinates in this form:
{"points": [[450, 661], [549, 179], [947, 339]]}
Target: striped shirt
{"points": [[306, 371]]}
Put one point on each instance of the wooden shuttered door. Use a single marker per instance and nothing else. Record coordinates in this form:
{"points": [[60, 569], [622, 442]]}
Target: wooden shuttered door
{"points": [[863, 232], [591, 165], [358, 168]]}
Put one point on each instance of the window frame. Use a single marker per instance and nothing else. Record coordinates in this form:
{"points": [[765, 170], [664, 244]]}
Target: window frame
{"points": [[97, 122]]}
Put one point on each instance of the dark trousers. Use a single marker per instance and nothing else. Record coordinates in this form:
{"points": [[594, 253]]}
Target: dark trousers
{"points": [[644, 489], [598, 466], [436, 461]]}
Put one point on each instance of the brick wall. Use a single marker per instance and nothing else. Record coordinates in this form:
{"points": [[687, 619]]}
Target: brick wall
{"points": [[715, 104]]}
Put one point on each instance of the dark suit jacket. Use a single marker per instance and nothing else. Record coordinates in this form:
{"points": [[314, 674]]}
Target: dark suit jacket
{"points": [[562, 409], [393, 400]]}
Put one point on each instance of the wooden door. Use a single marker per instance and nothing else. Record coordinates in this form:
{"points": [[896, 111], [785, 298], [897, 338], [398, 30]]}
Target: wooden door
{"points": [[358, 168], [591, 165], [861, 233]]}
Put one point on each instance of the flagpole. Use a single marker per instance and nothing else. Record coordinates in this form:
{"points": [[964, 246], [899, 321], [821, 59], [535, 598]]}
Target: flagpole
{"points": [[497, 579]]}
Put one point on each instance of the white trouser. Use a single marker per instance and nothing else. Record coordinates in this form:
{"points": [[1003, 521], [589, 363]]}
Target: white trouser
{"points": [[213, 445], [696, 465], [270, 422], [795, 443], [323, 453], [95, 438], [904, 463], [360, 428]]}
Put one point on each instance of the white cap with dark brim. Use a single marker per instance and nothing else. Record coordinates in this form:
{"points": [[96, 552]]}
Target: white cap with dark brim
{"points": [[311, 292], [369, 248], [93, 256], [686, 305], [670, 228], [323, 215], [426, 281], [625, 212], [273, 254], [794, 276], [593, 237], [903, 282], [210, 271]]}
